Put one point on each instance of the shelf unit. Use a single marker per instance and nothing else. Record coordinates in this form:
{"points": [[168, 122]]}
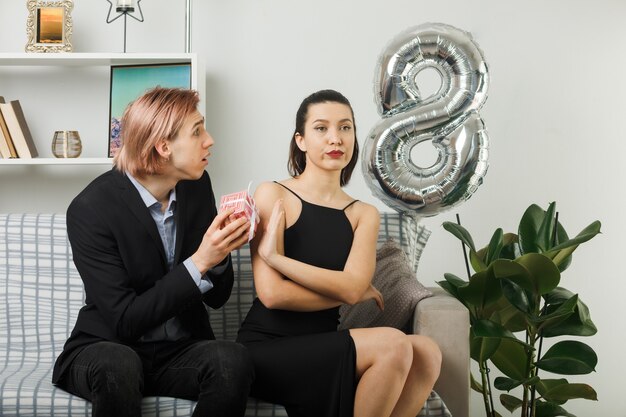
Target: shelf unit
{"points": [[16, 62], [57, 161]]}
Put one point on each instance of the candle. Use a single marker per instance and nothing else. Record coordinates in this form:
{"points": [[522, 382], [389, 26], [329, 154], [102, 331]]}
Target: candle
{"points": [[124, 3]]}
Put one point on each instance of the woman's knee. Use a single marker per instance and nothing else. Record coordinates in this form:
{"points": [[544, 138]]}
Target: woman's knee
{"points": [[387, 347], [428, 356], [400, 350]]}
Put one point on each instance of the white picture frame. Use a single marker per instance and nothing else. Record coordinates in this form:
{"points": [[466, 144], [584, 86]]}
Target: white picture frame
{"points": [[49, 25]]}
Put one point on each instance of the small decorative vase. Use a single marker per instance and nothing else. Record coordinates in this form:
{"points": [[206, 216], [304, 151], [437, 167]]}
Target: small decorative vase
{"points": [[66, 144]]}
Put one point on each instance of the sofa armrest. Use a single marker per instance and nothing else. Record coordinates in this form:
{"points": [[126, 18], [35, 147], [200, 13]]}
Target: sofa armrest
{"points": [[444, 319]]}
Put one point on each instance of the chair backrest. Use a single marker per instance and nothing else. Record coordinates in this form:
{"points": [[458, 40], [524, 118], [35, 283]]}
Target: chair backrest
{"points": [[41, 291]]}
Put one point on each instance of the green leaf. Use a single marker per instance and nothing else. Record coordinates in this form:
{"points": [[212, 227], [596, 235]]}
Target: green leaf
{"points": [[476, 260], [561, 253], [569, 358], [495, 246], [451, 286], [482, 253], [577, 324], [450, 289], [475, 385], [464, 236], [510, 402], [506, 384], [585, 235], [528, 230], [489, 329], [547, 409], [532, 272], [516, 296], [482, 348], [511, 359], [545, 385], [454, 280], [561, 257], [460, 233], [510, 317], [559, 315], [510, 247], [544, 274], [482, 290], [561, 236], [562, 393], [544, 234], [513, 271], [558, 295], [531, 382]]}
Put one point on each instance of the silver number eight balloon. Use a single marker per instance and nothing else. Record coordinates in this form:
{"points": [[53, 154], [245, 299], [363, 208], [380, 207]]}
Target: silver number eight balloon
{"points": [[449, 119]]}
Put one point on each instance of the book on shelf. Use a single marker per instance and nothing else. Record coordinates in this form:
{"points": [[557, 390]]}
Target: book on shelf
{"points": [[7, 150], [18, 128]]}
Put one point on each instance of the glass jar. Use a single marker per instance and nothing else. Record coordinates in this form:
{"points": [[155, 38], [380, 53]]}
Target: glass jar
{"points": [[66, 144]]}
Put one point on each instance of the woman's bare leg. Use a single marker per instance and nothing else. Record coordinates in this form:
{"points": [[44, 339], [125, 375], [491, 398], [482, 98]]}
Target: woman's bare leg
{"points": [[384, 357], [422, 376]]}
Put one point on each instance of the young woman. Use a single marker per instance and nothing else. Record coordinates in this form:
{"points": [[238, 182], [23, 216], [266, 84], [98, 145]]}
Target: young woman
{"points": [[152, 251], [316, 249]]}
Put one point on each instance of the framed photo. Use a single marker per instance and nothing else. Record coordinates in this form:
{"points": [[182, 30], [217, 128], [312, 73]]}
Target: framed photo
{"points": [[49, 25], [128, 82]]}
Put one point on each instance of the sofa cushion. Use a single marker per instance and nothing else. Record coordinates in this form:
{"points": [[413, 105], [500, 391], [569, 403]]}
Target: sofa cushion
{"points": [[401, 291]]}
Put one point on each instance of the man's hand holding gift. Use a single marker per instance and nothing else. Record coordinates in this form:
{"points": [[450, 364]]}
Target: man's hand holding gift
{"points": [[243, 205]]}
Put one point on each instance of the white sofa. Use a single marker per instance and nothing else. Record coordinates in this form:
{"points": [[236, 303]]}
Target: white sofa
{"points": [[41, 293]]}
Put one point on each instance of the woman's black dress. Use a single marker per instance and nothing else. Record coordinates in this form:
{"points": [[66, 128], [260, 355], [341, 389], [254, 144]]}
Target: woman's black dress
{"points": [[302, 362]]}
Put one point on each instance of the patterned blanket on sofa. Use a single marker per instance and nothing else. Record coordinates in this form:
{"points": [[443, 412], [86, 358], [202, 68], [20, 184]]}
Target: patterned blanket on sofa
{"points": [[40, 295]]}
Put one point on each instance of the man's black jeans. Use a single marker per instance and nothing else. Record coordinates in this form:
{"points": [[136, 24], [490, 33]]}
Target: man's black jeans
{"points": [[115, 378]]}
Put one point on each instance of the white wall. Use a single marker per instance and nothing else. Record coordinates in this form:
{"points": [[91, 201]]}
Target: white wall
{"points": [[554, 116]]}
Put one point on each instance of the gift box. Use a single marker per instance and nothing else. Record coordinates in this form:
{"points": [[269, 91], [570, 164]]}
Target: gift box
{"points": [[243, 204]]}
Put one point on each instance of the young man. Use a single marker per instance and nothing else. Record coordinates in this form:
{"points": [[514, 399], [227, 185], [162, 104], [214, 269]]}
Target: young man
{"points": [[152, 251]]}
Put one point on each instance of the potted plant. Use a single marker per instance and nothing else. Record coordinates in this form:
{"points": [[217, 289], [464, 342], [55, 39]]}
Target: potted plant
{"points": [[516, 302]]}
